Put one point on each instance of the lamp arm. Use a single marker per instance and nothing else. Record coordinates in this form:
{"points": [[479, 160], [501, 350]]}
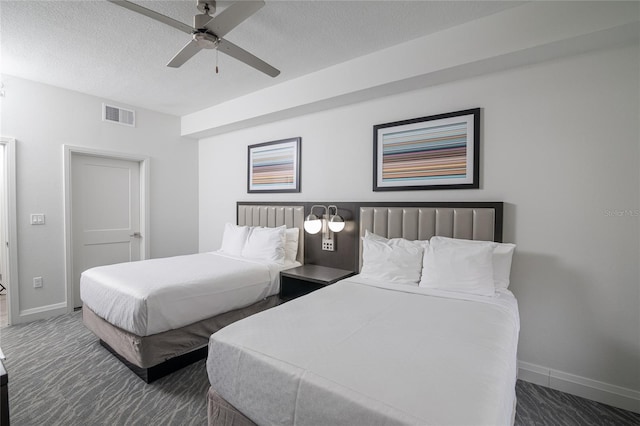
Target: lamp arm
{"points": [[326, 210], [325, 229]]}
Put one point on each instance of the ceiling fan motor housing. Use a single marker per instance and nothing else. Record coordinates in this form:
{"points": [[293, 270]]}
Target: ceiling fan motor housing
{"points": [[206, 40]]}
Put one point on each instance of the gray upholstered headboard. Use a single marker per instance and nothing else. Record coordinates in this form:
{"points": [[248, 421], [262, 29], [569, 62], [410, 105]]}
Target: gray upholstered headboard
{"points": [[421, 223], [273, 216]]}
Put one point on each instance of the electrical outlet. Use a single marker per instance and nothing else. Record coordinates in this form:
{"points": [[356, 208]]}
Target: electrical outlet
{"points": [[328, 245], [37, 282]]}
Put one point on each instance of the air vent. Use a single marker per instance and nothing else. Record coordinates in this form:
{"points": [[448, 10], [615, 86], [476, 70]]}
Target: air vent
{"points": [[118, 115]]}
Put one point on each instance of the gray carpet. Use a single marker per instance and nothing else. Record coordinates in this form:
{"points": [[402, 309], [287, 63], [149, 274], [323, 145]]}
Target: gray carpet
{"points": [[60, 375]]}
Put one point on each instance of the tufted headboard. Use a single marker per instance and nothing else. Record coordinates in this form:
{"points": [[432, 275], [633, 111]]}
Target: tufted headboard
{"points": [[272, 216], [472, 221]]}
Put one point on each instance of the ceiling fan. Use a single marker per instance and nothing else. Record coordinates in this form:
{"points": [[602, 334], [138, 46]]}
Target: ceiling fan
{"points": [[207, 31]]}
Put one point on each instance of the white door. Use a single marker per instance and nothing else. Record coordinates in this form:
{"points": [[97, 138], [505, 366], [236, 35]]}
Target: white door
{"points": [[9, 240], [4, 284], [105, 218]]}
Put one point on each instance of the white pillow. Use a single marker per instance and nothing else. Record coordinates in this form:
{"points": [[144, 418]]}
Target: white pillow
{"points": [[266, 244], [459, 268], [291, 244], [233, 239], [396, 241], [397, 261], [502, 256]]}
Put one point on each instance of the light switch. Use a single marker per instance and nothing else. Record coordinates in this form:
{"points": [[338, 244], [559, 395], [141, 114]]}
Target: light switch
{"points": [[37, 219]]}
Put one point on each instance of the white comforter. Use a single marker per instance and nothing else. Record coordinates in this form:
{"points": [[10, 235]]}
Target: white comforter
{"points": [[358, 354], [156, 295]]}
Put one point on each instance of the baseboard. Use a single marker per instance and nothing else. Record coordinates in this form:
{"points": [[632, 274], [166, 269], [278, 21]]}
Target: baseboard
{"points": [[41, 312], [594, 390]]}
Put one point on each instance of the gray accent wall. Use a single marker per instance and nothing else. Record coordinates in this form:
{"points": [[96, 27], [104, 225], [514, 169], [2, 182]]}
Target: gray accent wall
{"points": [[560, 146]]}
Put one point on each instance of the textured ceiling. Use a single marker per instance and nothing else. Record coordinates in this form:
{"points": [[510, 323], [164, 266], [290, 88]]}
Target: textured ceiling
{"points": [[98, 48]]}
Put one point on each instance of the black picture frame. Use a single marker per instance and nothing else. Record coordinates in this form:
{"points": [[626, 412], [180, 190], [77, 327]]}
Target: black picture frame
{"points": [[274, 167], [435, 152]]}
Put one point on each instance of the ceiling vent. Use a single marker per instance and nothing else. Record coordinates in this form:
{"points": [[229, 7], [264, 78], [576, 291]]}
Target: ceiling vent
{"points": [[118, 115]]}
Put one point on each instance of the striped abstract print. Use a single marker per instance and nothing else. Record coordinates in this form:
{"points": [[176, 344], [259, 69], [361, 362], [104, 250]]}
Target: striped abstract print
{"points": [[273, 167], [425, 154]]}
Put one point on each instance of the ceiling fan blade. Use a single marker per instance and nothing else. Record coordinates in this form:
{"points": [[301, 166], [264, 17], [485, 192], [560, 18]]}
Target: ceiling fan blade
{"points": [[153, 15], [185, 54], [233, 16], [242, 55]]}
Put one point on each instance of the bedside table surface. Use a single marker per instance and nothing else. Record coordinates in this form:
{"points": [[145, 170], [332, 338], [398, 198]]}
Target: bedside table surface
{"points": [[317, 273]]}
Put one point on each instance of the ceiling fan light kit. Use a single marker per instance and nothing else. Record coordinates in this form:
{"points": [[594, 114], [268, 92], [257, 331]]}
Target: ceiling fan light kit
{"points": [[208, 31], [206, 41]]}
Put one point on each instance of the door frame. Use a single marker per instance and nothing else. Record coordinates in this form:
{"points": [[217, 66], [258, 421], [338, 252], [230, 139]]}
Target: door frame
{"points": [[145, 247], [10, 245]]}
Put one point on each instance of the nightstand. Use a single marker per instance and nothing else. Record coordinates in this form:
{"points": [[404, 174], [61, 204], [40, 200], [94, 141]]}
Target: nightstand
{"points": [[304, 279]]}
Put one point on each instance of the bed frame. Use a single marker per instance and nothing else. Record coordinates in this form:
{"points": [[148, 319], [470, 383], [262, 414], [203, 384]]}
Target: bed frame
{"points": [[155, 356], [413, 221]]}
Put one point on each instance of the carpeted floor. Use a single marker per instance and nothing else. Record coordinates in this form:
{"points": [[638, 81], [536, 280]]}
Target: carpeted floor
{"points": [[60, 375]]}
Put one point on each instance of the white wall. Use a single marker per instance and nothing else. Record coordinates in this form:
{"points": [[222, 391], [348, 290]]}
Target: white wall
{"points": [[3, 184], [529, 33], [42, 119], [560, 147]]}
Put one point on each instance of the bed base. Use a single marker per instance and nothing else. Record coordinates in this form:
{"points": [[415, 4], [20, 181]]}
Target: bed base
{"points": [[155, 356], [221, 413], [151, 374]]}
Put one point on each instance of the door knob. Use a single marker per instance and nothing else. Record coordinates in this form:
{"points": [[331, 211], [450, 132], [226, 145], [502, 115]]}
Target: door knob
{"points": [[136, 235]]}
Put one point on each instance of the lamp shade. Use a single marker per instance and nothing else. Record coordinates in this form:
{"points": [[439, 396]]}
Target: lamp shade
{"points": [[312, 224], [336, 223]]}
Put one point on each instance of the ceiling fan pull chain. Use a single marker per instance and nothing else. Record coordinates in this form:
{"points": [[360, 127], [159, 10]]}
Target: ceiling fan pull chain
{"points": [[217, 61]]}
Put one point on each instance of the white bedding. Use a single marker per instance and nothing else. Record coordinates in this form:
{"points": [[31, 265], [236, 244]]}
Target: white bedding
{"points": [[356, 354], [156, 295]]}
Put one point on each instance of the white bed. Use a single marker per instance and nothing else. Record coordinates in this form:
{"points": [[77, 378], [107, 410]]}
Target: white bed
{"points": [[377, 348], [152, 296], [157, 315], [355, 353]]}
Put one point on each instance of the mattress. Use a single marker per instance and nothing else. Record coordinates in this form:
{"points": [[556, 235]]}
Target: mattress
{"points": [[157, 295], [358, 353]]}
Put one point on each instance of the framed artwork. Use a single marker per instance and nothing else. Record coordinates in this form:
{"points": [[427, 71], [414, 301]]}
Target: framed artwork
{"points": [[274, 166], [436, 152]]}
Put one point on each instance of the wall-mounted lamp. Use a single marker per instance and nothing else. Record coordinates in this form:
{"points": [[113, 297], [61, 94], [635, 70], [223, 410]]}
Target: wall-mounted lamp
{"points": [[336, 222], [327, 223]]}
